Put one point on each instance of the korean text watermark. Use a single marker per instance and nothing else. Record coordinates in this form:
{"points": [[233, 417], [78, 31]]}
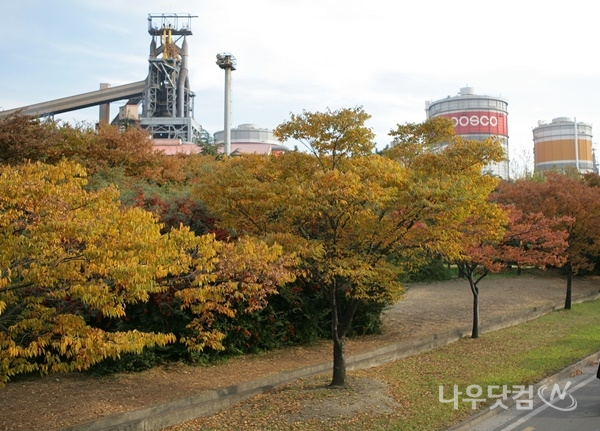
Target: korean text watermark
{"points": [[523, 396]]}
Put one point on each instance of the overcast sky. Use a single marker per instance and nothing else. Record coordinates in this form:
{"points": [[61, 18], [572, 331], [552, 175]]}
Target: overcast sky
{"points": [[389, 57]]}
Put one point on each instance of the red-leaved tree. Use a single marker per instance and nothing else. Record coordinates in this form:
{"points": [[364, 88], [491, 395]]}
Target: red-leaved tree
{"points": [[525, 239], [570, 199]]}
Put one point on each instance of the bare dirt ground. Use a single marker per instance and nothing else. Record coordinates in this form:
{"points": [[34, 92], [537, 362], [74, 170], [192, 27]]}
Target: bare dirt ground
{"points": [[57, 401]]}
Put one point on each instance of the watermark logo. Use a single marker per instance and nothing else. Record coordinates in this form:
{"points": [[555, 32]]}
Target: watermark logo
{"points": [[556, 392], [522, 396]]}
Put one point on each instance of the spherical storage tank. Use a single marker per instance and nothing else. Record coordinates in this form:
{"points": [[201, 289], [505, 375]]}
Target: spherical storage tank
{"points": [[476, 117], [563, 143]]}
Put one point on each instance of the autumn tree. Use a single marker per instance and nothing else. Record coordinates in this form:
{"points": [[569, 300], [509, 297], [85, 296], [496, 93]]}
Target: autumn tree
{"points": [[343, 210], [24, 137], [569, 197], [64, 249], [174, 206], [71, 257], [498, 236], [109, 155], [245, 272], [446, 170], [411, 140]]}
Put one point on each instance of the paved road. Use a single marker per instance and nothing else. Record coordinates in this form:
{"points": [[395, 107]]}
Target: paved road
{"points": [[569, 404]]}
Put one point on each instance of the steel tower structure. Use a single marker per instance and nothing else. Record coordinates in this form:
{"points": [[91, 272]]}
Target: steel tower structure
{"points": [[167, 111]]}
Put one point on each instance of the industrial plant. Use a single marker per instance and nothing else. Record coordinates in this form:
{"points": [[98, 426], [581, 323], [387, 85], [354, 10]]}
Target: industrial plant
{"points": [[163, 103]]}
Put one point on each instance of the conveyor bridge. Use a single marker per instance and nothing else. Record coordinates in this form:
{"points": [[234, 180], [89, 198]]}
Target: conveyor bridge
{"points": [[80, 101]]}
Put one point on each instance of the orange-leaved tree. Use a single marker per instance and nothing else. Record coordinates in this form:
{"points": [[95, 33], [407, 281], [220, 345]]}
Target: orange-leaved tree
{"points": [[343, 210]]}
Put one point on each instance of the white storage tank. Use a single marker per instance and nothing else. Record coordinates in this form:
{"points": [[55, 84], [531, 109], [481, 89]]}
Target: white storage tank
{"points": [[249, 138]]}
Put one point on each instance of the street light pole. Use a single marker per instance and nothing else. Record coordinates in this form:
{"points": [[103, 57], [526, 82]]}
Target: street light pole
{"points": [[228, 63]]}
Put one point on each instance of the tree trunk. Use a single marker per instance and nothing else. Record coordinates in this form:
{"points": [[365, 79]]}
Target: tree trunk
{"points": [[339, 361], [475, 291], [569, 287], [339, 329]]}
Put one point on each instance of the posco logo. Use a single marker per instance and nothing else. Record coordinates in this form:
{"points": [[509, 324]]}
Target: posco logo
{"points": [[475, 120]]}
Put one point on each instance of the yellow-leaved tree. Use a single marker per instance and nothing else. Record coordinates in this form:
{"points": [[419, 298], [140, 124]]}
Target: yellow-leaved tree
{"points": [[68, 255], [343, 210]]}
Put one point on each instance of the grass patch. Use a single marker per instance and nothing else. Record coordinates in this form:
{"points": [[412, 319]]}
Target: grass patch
{"points": [[525, 272], [520, 355]]}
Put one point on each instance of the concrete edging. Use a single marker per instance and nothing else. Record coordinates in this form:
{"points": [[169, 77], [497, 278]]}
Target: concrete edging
{"points": [[185, 409]]}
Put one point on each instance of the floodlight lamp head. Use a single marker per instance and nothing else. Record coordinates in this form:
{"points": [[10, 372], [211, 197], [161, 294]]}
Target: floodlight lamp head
{"points": [[226, 61]]}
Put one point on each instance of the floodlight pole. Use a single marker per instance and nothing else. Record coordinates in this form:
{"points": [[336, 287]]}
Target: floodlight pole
{"points": [[228, 63]]}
